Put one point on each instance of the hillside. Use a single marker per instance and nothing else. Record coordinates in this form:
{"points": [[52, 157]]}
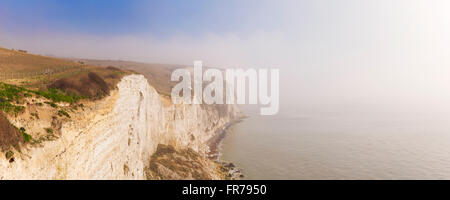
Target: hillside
{"points": [[158, 75], [15, 61], [45, 91], [38, 72]]}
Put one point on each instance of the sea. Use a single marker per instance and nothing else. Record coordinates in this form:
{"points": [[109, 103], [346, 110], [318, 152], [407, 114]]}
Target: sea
{"points": [[336, 144]]}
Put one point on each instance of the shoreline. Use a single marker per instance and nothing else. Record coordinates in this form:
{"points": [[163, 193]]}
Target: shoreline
{"points": [[215, 142], [214, 150]]}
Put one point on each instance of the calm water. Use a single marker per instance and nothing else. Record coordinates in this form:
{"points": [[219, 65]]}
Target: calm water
{"points": [[341, 145]]}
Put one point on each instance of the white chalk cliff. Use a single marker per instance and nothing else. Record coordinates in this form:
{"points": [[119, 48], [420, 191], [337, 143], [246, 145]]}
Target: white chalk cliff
{"points": [[114, 138]]}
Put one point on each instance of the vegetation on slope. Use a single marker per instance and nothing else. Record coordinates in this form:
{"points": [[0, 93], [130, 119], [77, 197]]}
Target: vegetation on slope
{"points": [[45, 74], [90, 85], [157, 75], [168, 163], [11, 97], [28, 82], [9, 135]]}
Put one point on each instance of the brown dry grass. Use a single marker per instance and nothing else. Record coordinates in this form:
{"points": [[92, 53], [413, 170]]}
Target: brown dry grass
{"points": [[84, 80], [93, 84], [15, 62], [158, 75], [169, 163]]}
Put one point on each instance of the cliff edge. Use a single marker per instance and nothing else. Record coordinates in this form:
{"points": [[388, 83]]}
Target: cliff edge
{"points": [[134, 133]]}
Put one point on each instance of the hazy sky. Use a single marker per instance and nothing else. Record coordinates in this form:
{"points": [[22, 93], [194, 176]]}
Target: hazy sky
{"points": [[372, 52]]}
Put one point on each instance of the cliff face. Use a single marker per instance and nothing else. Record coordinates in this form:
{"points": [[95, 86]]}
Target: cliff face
{"points": [[115, 138]]}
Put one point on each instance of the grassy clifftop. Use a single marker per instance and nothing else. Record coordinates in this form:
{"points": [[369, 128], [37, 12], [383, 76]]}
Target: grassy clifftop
{"points": [[157, 75], [42, 73], [47, 90], [14, 61]]}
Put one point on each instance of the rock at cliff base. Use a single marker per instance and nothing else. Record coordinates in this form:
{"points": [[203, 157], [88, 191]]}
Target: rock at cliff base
{"points": [[167, 163]]}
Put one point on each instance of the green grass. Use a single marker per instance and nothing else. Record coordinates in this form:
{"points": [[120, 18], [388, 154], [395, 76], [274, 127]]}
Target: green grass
{"points": [[49, 130], [11, 95], [63, 113], [58, 96], [11, 92], [9, 154], [8, 95], [52, 104], [7, 107], [26, 137]]}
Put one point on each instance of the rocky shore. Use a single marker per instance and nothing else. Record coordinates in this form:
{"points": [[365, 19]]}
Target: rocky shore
{"points": [[228, 168]]}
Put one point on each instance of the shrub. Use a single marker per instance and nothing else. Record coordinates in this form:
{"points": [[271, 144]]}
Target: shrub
{"points": [[63, 113], [51, 104], [9, 154], [49, 130], [26, 137], [36, 115], [18, 109]]}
